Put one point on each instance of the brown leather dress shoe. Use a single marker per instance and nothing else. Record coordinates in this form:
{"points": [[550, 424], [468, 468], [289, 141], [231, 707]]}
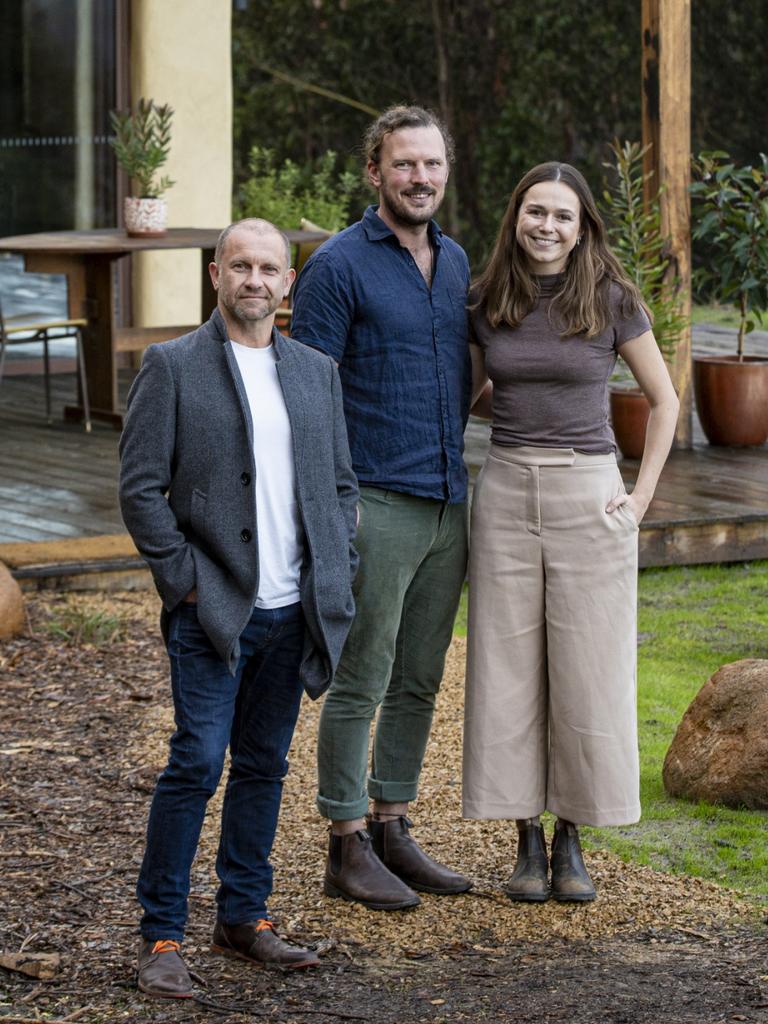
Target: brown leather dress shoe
{"points": [[570, 881], [162, 972], [403, 856], [354, 872], [529, 882], [258, 943]]}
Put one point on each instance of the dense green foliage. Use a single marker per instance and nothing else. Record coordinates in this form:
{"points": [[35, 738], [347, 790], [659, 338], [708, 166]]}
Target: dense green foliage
{"points": [[286, 193], [518, 83]]}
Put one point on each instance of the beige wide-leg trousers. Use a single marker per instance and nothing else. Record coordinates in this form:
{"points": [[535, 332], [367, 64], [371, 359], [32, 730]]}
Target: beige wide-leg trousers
{"points": [[550, 712]]}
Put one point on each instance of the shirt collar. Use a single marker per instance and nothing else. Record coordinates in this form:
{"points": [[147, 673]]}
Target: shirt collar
{"points": [[375, 229]]}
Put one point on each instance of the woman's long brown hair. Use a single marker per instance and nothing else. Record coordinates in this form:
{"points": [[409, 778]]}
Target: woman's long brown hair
{"points": [[507, 291]]}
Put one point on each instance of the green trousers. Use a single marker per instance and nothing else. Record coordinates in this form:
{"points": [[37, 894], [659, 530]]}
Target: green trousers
{"points": [[413, 554]]}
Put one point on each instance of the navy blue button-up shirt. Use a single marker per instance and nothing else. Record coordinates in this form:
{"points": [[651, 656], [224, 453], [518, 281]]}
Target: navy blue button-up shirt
{"points": [[402, 352]]}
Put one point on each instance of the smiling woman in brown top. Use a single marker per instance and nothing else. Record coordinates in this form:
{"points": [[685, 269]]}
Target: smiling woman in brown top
{"points": [[550, 720]]}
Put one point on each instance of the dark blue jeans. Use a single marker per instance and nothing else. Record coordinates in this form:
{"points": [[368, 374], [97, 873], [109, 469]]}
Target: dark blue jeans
{"points": [[254, 712]]}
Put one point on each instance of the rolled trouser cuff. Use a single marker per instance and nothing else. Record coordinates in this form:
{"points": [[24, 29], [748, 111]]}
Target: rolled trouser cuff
{"points": [[392, 792], [335, 810]]}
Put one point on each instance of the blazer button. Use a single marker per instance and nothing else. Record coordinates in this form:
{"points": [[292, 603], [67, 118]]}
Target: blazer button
{"points": [[245, 536], [245, 479]]}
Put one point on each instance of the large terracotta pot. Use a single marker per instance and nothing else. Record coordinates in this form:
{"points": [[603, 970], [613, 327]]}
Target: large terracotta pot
{"points": [[629, 415], [732, 398], [145, 218]]}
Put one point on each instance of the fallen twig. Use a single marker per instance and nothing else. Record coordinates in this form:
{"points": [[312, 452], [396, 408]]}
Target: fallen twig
{"points": [[212, 1004], [31, 996], [29, 938], [331, 1013], [69, 1019], [690, 931], [77, 1014], [73, 888]]}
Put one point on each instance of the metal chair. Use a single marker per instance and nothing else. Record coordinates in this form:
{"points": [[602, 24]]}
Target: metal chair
{"points": [[25, 330]]}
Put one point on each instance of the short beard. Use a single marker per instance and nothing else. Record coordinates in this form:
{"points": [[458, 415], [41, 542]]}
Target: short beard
{"points": [[402, 214], [247, 315], [406, 218]]}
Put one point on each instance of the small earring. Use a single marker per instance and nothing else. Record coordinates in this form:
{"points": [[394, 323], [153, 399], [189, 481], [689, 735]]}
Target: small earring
{"points": [[578, 240]]}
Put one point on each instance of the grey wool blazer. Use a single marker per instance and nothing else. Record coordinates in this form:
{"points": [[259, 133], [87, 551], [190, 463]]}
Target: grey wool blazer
{"points": [[188, 498]]}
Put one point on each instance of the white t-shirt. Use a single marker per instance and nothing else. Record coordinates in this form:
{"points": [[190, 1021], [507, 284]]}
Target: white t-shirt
{"points": [[279, 530]]}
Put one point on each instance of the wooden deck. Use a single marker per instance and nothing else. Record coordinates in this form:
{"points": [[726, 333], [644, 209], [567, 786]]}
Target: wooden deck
{"points": [[56, 481], [58, 495]]}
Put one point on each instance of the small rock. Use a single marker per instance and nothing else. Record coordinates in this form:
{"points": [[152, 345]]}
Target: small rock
{"points": [[720, 750], [36, 965], [12, 618]]}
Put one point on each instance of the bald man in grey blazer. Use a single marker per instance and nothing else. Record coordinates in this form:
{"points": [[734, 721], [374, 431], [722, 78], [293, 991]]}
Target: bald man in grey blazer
{"points": [[237, 488]]}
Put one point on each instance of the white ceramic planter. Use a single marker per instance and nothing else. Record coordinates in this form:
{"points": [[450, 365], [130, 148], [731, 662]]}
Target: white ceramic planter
{"points": [[145, 218]]}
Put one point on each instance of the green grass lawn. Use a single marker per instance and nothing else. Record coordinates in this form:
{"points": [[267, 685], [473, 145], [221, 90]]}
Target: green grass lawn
{"points": [[722, 316], [691, 621]]}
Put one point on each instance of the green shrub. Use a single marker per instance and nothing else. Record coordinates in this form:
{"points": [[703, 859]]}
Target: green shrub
{"points": [[285, 193], [634, 231]]}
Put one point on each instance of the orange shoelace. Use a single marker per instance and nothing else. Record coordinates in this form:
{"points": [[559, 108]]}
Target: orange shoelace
{"points": [[166, 946], [263, 925]]}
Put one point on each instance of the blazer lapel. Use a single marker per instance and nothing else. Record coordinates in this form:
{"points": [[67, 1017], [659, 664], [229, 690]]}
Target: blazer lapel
{"points": [[221, 334], [293, 393]]}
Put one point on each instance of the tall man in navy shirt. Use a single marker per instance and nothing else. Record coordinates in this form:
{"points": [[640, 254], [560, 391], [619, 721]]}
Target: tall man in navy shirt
{"points": [[386, 299]]}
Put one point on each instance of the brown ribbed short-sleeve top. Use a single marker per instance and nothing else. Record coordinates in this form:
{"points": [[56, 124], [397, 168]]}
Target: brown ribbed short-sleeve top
{"points": [[548, 391]]}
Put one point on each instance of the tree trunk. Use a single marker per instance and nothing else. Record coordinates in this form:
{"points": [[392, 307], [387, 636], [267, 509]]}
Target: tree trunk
{"points": [[667, 127]]}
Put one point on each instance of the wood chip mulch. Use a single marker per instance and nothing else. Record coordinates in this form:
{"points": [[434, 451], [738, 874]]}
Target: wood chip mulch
{"points": [[84, 735]]}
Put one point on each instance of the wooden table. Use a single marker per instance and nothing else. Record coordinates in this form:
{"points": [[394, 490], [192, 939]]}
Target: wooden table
{"points": [[87, 260]]}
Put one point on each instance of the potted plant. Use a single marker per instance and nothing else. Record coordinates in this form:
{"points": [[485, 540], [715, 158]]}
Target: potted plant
{"points": [[634, 230], [142, 142], [730, 207]]}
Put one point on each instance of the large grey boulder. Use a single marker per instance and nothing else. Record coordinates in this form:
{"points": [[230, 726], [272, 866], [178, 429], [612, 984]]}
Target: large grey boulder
{"points": [[12, 618], [720, 749]]}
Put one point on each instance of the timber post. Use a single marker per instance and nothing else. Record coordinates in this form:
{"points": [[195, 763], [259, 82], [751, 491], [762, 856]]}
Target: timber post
{"points": [[666, 71]]}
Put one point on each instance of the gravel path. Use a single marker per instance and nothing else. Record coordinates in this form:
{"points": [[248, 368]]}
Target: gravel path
{"points": [[84, 735]]}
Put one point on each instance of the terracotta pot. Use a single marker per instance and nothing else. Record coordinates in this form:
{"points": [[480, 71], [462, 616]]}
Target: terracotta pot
{"points": [[732, 398], [629, 415], [145, 218]]}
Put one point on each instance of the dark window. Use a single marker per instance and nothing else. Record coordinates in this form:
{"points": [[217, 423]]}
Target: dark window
{"points": [[57, 86]]}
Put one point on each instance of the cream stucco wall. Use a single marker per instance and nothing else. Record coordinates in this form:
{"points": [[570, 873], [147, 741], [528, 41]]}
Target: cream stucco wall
{"points": [[181, 54]]}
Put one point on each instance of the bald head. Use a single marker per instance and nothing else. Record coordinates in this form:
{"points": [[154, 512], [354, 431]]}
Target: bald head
{"points": [[259, 227], [252, 275]]}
